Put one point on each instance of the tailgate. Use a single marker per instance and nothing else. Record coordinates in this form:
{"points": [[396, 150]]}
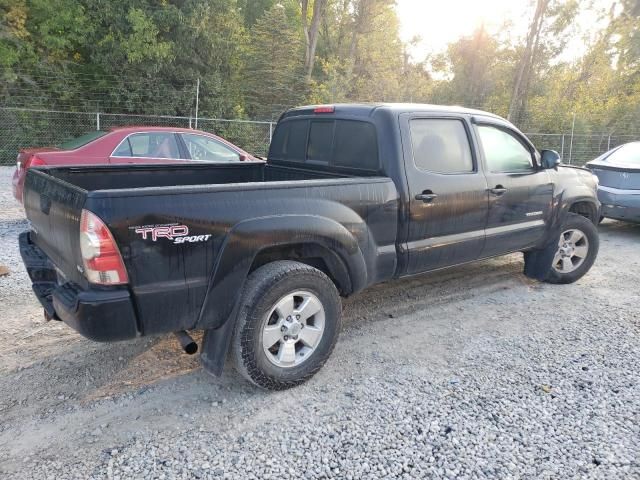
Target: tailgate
{"points": [[53, 208]]}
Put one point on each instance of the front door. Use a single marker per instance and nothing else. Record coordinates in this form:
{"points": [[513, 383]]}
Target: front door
{"points": [[520, 192], [447, 192]]}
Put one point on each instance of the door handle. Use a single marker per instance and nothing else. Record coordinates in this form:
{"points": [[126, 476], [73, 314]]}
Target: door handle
{"points": [[426, 197], [498, 190]]}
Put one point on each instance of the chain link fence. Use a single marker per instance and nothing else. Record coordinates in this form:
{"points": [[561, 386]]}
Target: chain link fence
{"points": [[578, 149], [23, 128]]}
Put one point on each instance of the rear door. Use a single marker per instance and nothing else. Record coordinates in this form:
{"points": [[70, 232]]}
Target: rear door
{"points": [[447, 191], [148, 147], [520, 192]]}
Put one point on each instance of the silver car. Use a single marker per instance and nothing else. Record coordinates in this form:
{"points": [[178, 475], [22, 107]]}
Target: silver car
{"points": [[619, 173]]}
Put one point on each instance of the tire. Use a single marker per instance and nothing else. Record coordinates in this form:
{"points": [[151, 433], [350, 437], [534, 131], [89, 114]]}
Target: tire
{"points": [[266, 316], [571, 256]]}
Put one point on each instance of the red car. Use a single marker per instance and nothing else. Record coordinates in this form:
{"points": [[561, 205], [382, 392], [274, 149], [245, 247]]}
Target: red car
{"points": [[131, 145]]}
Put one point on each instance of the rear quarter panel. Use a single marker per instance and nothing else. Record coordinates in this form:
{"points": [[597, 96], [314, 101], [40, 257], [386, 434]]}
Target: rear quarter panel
{"points": [[196, 284]]}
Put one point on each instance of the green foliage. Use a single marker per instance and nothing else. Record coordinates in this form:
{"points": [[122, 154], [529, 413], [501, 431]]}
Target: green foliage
{"points": [[145, 56], [477, 66], [143, 44], [274, 75], [252, 10]]}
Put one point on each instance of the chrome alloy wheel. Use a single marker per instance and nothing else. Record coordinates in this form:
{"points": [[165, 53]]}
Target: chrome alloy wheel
{"points": [[573, 248], [293, 329]]}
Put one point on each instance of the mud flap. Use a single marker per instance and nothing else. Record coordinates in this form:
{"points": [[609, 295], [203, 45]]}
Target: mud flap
{"points": [[537, 263], [215, 345]]}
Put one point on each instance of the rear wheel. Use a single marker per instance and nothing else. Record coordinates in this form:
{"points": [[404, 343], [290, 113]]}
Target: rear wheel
{"points": [[287, 326]]}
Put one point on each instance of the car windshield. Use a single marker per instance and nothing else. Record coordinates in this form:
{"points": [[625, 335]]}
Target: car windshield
{"points": [[82, 140], [628, 154]]}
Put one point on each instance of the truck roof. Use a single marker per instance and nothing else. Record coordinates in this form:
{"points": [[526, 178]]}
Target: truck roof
{"points": [[368, 109]]}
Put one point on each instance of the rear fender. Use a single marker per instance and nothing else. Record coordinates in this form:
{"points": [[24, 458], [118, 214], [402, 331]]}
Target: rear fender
{"points": [[242, 244], [249, 237]]}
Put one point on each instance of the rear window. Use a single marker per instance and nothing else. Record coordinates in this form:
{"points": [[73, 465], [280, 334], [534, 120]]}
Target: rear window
{"points": [[320, 141], [82, 140], [628, 154], [356, 145], [348, 144], [296, 141]]}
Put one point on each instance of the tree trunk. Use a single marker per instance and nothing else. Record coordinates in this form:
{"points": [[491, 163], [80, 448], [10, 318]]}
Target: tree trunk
{"points": [[311, 32], [522, 79]]}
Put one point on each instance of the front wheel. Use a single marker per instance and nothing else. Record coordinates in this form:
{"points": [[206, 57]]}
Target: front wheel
{"points": [[287, 326], [572, 255]]}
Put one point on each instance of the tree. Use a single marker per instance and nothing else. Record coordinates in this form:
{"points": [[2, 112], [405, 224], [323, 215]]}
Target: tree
{"points": [[472, 63], [255, 58], [274, 78], [311, 31], [525, 65], [38, 38], [252, 10], [551, 26], [361, 54]]}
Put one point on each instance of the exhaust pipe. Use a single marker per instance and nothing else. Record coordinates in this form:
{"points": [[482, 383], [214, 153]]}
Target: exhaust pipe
{"points": [[187, 343]]}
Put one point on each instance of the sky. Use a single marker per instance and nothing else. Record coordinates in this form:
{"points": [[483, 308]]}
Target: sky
{"points": [[439, 22]]}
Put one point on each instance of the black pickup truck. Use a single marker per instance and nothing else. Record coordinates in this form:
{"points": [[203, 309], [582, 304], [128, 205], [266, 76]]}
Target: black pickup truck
{"points": [[258, 255]]}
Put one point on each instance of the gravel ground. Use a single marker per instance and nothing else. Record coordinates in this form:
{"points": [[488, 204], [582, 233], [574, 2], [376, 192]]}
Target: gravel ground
{"points": [[474, 372]]}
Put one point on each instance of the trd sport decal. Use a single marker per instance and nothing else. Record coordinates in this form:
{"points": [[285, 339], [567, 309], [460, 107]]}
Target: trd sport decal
{"points": [[176, 233]]}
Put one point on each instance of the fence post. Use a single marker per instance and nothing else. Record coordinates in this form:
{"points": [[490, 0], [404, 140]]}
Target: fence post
{"points": [[270, 131], [609, 143], [97, 120], [573, 126], [562, 148], [197, 100]]}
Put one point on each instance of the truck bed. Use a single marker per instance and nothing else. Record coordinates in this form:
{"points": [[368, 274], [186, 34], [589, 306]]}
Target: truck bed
{"points": [[110, 177], [241, 207]]}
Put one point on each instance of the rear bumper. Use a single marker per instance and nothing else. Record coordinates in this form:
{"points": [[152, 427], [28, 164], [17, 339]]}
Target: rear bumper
{"points": [[101, 315], [619, 204]]}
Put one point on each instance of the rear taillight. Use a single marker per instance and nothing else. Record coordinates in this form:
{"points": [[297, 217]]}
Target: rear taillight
{"points": [[100, 255], [33, 161]]}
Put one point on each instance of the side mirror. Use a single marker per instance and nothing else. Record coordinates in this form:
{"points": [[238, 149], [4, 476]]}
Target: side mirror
{"points": [[242, 158], [550, 159]]}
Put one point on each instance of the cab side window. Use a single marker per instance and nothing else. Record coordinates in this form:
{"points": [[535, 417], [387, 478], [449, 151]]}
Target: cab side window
{"points": [[441, 145], [503, 152]]}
